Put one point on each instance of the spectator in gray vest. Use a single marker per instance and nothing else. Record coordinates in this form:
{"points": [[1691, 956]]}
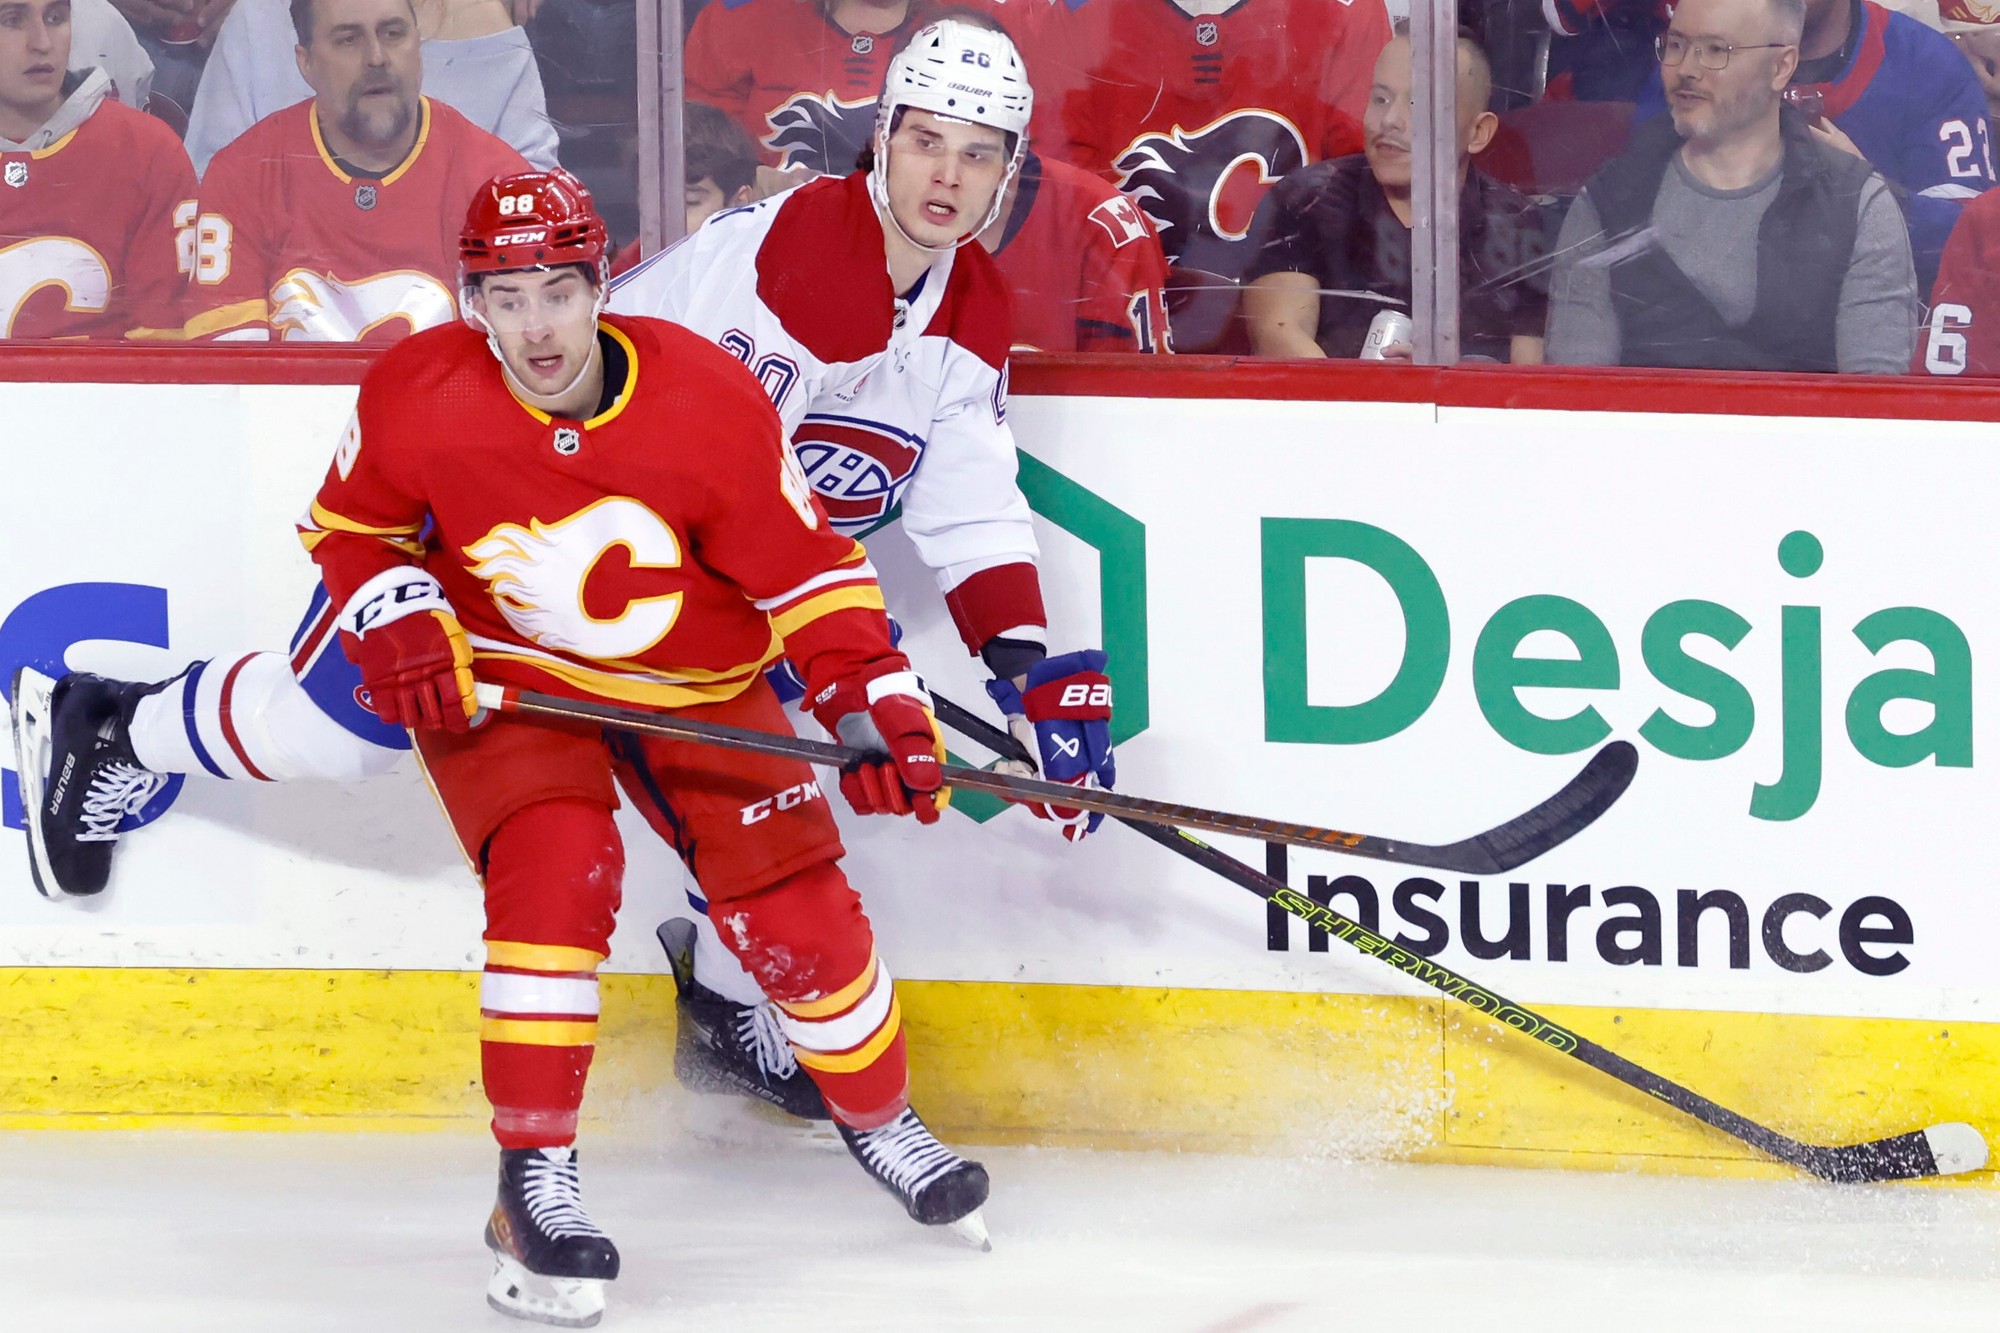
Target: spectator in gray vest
{"points": [[476, 60], [1726, 236]]}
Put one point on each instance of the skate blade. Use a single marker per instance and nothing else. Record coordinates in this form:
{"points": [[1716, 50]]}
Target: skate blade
{"points": [[33, 749], [567, 1302], [971, 1230]]}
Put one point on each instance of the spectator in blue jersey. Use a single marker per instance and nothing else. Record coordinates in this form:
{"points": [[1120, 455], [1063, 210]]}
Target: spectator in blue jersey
{"points": [[1729, 234], [1893, 91]]}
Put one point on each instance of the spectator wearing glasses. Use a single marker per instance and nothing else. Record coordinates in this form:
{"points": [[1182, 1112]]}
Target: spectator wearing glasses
{"points": [[1728, 235], [1889, 89], [1334, 237]]}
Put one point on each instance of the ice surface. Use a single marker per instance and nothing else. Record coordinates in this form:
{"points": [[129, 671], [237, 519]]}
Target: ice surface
{"points": [[733, 1226]]}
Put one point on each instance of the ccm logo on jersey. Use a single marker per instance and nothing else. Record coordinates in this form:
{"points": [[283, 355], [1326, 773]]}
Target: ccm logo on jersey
{"points": [[791, 798]]}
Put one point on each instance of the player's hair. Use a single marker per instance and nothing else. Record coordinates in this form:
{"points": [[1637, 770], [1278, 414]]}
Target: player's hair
{"points": [[302, 20], [864, 161], [1791, 17], [717, 149]]}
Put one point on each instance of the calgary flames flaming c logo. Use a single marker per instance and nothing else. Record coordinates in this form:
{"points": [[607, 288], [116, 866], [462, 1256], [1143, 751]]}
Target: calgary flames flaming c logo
{"points": [[1202, 187], [821, 132]]}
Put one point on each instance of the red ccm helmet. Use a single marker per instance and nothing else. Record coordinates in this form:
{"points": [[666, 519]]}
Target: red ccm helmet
{"points": [[529, 220]]}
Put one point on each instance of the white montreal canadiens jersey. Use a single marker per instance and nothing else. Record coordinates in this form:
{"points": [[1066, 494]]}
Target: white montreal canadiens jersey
{"points": [[885, 403]]}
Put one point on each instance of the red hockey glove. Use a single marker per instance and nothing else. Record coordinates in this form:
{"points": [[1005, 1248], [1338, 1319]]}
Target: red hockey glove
{"points": [[416, 666], [888, 716]]}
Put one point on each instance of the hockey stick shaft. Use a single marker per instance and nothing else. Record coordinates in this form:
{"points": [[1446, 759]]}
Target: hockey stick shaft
{"points": [[1484, 854], [1901, 1157]]}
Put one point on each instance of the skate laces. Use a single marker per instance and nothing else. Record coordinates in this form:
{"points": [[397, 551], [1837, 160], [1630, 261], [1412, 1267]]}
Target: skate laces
{"points": [[905, 1154], [554, 1196], [116, 790], [757, 1032]]}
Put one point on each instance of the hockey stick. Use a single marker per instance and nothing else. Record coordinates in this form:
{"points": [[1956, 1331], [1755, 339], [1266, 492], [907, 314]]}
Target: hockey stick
{"points": [[1941, 1150], [1493, 852]]}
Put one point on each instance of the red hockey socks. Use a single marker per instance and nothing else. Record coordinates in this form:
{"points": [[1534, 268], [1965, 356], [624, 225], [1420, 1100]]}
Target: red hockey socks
{"points": [[808, 944], [553, 876]]}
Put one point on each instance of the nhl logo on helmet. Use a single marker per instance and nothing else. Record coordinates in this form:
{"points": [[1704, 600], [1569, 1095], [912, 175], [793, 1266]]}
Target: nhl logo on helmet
{"points": [[857, 468]]}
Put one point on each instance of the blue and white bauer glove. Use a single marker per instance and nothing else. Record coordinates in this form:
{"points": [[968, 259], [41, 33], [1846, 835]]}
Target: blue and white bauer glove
{"points": [[1064, 717]]}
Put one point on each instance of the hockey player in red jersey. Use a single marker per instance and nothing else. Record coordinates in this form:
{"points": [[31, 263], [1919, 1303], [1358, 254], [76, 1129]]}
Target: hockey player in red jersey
{"points": [[1194, 108], [87, 235], [604, 507], [336, 219], [885, 351]]}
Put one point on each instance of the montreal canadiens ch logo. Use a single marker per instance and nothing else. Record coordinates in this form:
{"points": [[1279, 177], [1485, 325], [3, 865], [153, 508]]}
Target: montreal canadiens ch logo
{"points": [[857, 468], [1201, 187]]}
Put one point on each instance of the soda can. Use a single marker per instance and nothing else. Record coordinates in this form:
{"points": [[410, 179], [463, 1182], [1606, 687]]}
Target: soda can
{"points": [[1391, 326]]}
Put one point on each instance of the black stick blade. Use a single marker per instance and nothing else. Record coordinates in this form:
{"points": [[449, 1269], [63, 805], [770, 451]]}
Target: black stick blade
{"points": [[1555, 821], [1949, 1149]]}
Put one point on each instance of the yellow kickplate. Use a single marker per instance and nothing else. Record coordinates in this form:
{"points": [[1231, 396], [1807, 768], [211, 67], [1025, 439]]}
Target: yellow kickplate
{"points": [[1097, 1066]]}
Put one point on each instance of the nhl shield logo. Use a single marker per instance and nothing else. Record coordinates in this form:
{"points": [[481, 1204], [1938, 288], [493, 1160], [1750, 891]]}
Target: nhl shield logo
{"points": [[862, 45], [1207, 34], [364, 197], [568, 440], [17, 174]]}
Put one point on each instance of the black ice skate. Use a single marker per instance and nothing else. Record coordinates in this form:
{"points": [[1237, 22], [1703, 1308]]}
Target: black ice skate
{"points": [[723, 1046], [79, 777], [936, 1185], [550, 1262]]}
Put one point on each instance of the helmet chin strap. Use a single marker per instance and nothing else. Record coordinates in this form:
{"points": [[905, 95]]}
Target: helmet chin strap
{"points": [[545, 401]]}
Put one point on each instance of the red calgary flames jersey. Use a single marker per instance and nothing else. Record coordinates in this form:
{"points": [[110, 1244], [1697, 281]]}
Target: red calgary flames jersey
{"points": [[1962, 335], [661, 552], [1083, 264], [802, 87], [289, 245], [87, 244], [1196, 116]]}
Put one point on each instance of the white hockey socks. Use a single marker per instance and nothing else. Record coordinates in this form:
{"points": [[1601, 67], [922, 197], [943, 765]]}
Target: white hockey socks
{"points": [[249, 717]]}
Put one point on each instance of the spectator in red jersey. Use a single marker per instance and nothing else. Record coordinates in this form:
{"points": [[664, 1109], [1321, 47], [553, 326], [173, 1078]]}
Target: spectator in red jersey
{"points": [[1082, 261], [801, 76], [1334, 238], [87, 243], [337, 219], [1194, 108]]}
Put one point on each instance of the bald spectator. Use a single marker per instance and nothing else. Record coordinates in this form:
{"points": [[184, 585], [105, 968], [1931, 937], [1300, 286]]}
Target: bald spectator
{"points": [[1333, 238], [1728, 234]]}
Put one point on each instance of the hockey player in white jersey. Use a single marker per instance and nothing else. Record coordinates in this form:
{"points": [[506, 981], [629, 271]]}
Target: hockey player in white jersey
{"points": [[891, 379], [881, 334]]}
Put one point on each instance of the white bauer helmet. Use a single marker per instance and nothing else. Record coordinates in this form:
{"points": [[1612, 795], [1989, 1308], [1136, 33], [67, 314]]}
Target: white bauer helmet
{"points": [[961, 71]]}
